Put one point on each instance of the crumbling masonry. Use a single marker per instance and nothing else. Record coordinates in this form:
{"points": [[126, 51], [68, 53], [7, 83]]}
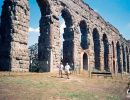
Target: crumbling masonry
{"points": [[89, 41]]}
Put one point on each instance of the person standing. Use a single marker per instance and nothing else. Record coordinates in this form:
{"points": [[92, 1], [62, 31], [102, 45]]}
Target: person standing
{"points": [[67, 70], [61, 70]]}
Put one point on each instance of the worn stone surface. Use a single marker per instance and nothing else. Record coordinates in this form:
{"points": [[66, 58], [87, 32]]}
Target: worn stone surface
{"points": [[14, 33], [89, 41]]}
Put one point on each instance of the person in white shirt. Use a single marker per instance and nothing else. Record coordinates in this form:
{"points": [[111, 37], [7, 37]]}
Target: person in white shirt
{"points": [[67, 70], [61, 70]]}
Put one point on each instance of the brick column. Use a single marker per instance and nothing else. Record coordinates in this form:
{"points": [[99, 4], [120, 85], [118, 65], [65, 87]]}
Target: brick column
{"points": [[121, 60], [101, 56], [110, 59], [14, 32]]}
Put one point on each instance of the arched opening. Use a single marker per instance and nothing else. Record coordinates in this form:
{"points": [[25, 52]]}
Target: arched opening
{"points": [[44, 44], [118, 47], [65, 22], [113, 56], [127, 56], [106, 52], [33, 36], [39, 37], [85, 61], [84, 35], [67, 17], [61, 26], [124, 58], [68, 36], [96, 40]]}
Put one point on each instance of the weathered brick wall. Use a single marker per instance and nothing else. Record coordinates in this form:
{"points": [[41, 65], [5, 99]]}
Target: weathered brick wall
{"points": [[78, 11], [14, 32]]}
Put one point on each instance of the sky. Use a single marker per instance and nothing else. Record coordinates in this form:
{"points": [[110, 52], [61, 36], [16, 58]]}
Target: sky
{"points": [[117, 12]]}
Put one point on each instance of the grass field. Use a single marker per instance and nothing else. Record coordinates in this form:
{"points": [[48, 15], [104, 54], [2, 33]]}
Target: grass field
{"points": [[47, 86]]}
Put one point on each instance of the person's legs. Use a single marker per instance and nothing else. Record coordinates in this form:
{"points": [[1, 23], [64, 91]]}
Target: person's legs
{"points": [[67, 74], [61, 74]]}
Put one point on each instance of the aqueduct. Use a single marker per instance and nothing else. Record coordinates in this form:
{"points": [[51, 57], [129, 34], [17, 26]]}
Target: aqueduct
{"points": [[89, 41]]}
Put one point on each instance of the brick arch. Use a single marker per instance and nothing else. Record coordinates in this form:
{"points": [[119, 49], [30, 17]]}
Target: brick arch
{"points": [[94, 27], [68, 35], [96, 41], [106, 52], [85, 61], [65, 13], [118, 50], [84, 34], [44, 6]]}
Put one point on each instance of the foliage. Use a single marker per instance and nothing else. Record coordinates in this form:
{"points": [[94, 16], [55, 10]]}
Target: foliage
{"points": [[33, 55]]}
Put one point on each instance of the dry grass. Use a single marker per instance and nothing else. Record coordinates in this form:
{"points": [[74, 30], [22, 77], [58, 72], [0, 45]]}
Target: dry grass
{"points": [[47, 86]]}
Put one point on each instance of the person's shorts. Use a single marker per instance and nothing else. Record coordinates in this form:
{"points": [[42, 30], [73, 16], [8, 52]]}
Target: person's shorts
{"points": [[67, 72], [60, 70]]}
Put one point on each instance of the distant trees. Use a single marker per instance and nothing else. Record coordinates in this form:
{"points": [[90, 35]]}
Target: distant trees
{"points": [[33, 55]]}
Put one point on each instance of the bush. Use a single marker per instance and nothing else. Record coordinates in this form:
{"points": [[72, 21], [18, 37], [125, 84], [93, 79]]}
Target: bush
{"points": [[33, 68]]}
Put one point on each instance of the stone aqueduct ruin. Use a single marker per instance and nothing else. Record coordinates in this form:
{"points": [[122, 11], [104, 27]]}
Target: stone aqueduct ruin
{"points": [[89, 41]]}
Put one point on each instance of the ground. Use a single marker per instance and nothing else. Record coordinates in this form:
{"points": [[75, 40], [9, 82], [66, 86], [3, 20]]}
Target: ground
{"points": [[48, 86]]}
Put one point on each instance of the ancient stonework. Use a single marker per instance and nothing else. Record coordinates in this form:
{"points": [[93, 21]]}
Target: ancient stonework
{"points": [[89, 41], [14, 36]]}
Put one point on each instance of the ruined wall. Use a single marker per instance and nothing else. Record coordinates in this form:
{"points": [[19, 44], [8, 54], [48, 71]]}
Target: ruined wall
{"points": [[77, 11], [86, 36]]}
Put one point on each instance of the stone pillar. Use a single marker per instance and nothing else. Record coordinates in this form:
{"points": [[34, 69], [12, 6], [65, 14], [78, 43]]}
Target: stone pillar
{"points": [[77, 55], [116, 63], [125, 60], [113, 61], [110, 59], [101, 56], [56, 42], [78, 52], [44, 44], [121, 59], [14, 33], [91, 54]]}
